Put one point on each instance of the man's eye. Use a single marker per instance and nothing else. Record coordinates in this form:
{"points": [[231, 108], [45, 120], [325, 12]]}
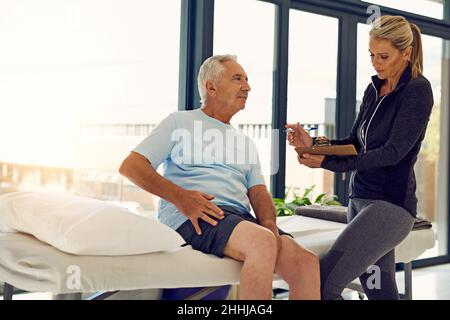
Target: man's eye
{"points": [[384, 58]]}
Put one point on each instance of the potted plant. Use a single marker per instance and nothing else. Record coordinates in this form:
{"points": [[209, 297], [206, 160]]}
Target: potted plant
{"points": [[285, 208]]}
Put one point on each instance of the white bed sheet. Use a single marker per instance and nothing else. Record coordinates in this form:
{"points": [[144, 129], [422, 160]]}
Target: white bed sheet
{"points": [[32, 265]]}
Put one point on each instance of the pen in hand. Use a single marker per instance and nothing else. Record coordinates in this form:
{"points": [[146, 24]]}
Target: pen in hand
{"points": [[309, 129]]}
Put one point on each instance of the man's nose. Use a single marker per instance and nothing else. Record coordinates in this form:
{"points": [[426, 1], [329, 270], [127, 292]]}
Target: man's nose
{"points": [[246, 87]]}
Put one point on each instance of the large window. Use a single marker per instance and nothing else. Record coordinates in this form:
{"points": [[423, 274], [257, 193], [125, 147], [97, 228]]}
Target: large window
{"points": [[311, 91], [253, 44], [82, 83], [431, 168], [429, 8]]}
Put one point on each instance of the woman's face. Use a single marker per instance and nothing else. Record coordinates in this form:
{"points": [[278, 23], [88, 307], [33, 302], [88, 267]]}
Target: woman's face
{"points": [[388, 61]]}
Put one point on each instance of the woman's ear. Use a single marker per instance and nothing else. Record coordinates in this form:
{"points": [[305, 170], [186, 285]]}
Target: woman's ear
{"points": [[407, 54]]}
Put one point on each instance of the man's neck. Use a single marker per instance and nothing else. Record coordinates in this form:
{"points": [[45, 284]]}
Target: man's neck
{"points": [[216, 114]]}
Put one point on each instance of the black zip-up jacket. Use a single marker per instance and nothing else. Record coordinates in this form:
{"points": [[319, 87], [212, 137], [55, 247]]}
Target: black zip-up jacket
{"points": [[387, 134]]}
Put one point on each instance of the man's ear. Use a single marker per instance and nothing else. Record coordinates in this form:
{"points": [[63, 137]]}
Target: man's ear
{"points": [[210, 88]]}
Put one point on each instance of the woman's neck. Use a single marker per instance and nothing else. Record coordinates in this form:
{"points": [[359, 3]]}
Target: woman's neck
{"points": [[391, 82]]}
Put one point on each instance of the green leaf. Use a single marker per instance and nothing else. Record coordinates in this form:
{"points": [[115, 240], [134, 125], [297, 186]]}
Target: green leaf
{"points": [[329, 198], [299, 202], [282, 212], [278, 200], [308, 191], [294, 192], [319, 198], [333, 203], [288, 191]]}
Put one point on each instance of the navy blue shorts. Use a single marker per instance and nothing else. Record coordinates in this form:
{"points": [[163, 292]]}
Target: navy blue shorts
{"points": [[214, 238]]}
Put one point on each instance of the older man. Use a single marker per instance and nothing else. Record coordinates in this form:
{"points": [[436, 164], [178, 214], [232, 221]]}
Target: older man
{"points": [[210, 182]]}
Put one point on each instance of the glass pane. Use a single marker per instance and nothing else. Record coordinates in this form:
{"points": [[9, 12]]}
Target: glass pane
{"points": [[431, 185], [311, 92], [431, 172], [256, 57], [82, 83], [364, 69], [428, 8]]}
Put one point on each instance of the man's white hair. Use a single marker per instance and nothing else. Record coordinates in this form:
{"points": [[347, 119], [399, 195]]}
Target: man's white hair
{"points": [[211, 69]]}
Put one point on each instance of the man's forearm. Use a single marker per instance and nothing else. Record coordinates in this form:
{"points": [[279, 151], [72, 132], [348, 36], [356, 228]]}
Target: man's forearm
{"points": [[139, 171]]}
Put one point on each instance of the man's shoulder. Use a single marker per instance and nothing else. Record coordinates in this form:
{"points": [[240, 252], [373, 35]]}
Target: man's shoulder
{"points": [[184, 116]]}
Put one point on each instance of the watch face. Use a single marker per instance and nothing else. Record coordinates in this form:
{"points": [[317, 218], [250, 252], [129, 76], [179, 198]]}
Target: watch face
{"points": [[321, 141]]}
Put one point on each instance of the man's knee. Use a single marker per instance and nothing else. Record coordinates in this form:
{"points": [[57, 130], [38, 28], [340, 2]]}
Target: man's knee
{"points": [[299, 257], [251, 240], [309, 259], [262, 245]]}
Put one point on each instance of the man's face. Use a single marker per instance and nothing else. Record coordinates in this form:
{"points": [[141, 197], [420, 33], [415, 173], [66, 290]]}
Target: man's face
{"points": [[232, 87]]}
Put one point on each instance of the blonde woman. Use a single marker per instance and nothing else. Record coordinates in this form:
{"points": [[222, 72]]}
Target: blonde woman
{"points": [[387, 134]]}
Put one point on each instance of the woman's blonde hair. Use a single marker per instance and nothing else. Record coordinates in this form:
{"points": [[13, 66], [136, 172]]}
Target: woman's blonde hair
{"points": [[402, 35]]}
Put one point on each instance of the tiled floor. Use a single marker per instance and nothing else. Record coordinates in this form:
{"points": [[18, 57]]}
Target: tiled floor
{"points": [[431, 283]]}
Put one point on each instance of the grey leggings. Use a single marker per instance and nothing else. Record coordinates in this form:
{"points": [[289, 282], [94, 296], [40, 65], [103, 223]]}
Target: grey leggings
{"points": [[375, 228]]}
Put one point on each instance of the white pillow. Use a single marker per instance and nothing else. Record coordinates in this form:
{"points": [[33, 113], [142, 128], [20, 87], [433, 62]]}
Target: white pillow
{"points": [[84, 226]]}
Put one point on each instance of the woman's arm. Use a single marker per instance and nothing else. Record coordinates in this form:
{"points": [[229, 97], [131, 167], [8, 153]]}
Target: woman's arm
{"points": [[409, 124]]}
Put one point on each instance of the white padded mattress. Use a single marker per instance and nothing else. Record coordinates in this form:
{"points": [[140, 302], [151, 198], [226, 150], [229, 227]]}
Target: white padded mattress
{"points": [[318, 235], [32, 265]]}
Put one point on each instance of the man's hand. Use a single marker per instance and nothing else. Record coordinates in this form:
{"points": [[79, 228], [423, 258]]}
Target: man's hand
{"points": [[261, 201], [297, 136], [197, 205], [273, 227], [311, 160]]}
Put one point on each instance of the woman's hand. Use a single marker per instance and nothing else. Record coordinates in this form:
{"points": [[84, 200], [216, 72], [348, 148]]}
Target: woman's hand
{"points": [[297, 136], [311, 160]]}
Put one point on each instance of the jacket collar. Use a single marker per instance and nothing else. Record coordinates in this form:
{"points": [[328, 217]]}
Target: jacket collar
{"points": [[404, 79]]}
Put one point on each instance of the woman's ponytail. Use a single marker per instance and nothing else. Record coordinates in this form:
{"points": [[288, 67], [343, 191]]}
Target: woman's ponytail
{"points": [[416, 54]]}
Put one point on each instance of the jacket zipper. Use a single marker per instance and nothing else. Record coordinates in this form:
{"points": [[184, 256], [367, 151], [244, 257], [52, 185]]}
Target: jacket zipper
{"points": [[361, 139], [371, 118], [352, 181], [364, 136]]}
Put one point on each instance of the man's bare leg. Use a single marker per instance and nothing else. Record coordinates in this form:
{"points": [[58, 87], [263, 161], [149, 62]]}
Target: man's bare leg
{"points": [[256, 246], [300, 269]]}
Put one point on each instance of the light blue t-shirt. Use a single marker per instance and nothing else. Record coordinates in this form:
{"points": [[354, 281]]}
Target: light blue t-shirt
{"points": [[201, 153]]}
